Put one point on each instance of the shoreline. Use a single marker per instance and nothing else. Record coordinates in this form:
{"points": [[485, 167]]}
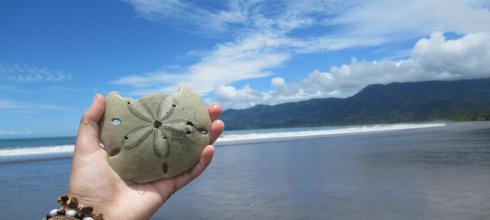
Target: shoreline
{"points": [[233, 139], [314, 177], [19, 154]]}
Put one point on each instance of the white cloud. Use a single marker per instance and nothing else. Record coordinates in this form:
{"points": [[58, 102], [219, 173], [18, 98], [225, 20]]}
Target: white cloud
{"points": [[278, 82], [402, 19], [14, 132], [19, 106], [260, 47], [467, 57], [239, 15], [367, 18], [250, 57], [28, 73], [187, 12], [433, 58], [244, 97], [265, 40], [282, 89], [228, 63]]}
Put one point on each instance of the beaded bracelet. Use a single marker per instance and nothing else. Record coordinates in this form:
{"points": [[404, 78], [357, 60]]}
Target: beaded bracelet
{"points": [[71, 209]]}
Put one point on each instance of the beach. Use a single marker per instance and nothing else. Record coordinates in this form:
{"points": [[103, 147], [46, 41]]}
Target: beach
{"points": [[423, 172]]}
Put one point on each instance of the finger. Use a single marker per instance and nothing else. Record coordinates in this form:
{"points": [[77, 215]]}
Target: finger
{"points": [[216, 129], [185, 178], [214, 111], [88, 132]]}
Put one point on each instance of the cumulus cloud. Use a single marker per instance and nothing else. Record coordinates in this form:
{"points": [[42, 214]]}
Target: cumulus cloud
{"points": [[454, 59], [250, 57], [246, 96], [28, 73], [433, 58], [242, 98], [281, 89], [264, 40]]}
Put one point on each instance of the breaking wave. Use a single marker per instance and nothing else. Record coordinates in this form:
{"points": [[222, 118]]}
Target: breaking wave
{"points": [[65, 151]]}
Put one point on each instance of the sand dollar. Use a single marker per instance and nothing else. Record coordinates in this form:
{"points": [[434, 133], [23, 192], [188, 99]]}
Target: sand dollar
{"points": [[157, 136]]}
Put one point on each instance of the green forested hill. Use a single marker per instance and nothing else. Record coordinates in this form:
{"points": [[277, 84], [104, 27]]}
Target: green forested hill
{"points": [[391, 103]]}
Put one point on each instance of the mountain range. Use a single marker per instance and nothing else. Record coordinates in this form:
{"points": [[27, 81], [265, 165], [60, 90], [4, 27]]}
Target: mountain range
{"points": [[375, 104]]}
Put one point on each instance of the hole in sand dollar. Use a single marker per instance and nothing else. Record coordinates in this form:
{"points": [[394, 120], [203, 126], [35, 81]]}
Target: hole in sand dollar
{"points": [[114, 151], [116, 121], [204, 131], [165, 168]]}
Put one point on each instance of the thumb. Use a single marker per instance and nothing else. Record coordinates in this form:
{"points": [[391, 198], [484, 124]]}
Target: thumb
{"points": [[88, 132]]}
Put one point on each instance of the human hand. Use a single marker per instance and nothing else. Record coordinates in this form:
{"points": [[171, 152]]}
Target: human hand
{"points": [[95, 184]]}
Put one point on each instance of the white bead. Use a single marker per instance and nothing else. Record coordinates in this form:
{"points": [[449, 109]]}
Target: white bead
{"points": [[71, 213], [53, 212], [87, 218]]}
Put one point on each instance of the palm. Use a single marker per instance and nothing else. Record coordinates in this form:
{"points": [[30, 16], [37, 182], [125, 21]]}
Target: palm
{"points": [[95, 183]]}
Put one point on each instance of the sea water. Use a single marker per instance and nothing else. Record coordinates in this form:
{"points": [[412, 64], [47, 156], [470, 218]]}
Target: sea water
{"points": [[437, 171], [62, 147]]}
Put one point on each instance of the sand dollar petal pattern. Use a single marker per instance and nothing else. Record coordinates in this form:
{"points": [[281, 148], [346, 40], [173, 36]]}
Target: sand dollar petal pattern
{"points": [[160, 144], [160, 135]]}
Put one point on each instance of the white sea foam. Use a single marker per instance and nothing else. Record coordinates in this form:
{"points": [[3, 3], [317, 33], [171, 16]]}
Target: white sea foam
{"points": [[61, 151], [36, 150], [260, 137], [36, 153]]}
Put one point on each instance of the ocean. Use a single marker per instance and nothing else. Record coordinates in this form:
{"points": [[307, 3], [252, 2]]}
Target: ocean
{"points": [[45, 148], [401, 171]]}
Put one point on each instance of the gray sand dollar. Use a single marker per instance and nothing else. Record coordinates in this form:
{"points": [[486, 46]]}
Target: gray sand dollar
{"points": [[157, 136]]}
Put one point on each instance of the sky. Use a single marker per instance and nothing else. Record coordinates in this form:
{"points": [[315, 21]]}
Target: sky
{"points": [[55, 55]]}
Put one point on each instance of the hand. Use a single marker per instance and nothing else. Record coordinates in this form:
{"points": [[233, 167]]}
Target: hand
{"points": [[95, 184]]}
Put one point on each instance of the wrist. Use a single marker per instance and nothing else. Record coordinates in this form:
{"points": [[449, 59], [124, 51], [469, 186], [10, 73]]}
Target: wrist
{"points": [[72, 209], [108, 208]]}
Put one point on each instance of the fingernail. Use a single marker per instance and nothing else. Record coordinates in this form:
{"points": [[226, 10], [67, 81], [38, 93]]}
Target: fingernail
{"points": [[95, 98], [220, 122], [97, 95]]}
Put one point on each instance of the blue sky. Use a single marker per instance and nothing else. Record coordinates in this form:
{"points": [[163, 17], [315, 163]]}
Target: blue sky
{"points": [[55, 55]]}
